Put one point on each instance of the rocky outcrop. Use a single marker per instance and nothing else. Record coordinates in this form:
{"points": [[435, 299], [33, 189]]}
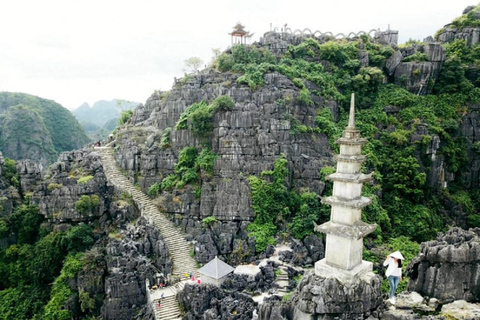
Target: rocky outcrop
{"points": [[448, 268], [129, 251], [75, 174], [415, 76], [258, 283], [470, 32], [327, 298], [470, 35], [247, 140], [132, 257], [208, 302], [470, 130], [305, 252], [412, 306], [31, 175]]}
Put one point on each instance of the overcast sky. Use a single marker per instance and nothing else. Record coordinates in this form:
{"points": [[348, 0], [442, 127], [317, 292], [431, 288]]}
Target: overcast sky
{"points": [[83, 51]]}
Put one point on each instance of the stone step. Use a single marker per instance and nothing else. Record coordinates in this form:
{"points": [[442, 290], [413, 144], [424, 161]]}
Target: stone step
{"points": [[174, 237]]}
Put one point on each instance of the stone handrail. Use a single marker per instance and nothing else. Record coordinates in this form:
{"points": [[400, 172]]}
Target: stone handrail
{"points": [[317, 33]]}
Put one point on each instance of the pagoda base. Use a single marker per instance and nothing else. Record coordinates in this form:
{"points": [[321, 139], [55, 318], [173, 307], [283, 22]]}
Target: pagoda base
{"points": [[362, 270]]}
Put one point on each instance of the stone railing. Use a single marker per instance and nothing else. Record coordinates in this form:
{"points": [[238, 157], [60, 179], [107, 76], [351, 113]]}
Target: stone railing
{"points": [[317, 33], [388, 36]]}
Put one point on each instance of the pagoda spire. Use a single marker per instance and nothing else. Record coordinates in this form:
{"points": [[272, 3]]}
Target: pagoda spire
{"points": [[345, 230], [351, 118]]}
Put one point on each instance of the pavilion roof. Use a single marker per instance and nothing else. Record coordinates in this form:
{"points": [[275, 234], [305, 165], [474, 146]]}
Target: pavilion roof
{"points": [[238, 30], [216, 269]]}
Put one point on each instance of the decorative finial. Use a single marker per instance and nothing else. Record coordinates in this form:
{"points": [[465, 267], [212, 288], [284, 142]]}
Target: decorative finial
{"points": [[351, 119]]}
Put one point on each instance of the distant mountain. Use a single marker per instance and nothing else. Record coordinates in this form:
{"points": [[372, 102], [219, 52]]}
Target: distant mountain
{"points": [[101, 113], [36, 128]]}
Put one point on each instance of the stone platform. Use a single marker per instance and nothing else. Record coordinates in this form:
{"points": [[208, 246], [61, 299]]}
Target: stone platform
{"points": [[362, 271]]}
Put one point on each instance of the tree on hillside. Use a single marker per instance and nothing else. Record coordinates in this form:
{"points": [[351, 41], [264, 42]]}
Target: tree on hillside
{"points": [[193, 64]]}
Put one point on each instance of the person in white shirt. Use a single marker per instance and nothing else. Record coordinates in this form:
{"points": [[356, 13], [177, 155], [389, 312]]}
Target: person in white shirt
{"points": [[394, 272]]}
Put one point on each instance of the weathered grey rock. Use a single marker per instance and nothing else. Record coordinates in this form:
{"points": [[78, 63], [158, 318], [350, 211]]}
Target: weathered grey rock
{"points": [[247, 140], [409, 300], [132, 257], [448, 268], [461, 309], [57, 196], [393, 61], [470, 35], [389, 37], [208, 302], [273, 309], [327, 298], [414, 76], [261, 282], [305, 252], [435, 52], [31, 174]]}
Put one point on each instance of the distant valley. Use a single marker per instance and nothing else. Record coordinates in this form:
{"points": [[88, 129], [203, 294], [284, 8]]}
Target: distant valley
{"points": [[101, 119]]}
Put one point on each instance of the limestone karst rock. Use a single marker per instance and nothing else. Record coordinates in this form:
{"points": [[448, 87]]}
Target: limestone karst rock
{"points": [[247, 141], [448, 268]]}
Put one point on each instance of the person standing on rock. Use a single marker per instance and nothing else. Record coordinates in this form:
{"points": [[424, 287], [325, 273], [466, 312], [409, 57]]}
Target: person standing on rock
{"points": [[394, 272]]}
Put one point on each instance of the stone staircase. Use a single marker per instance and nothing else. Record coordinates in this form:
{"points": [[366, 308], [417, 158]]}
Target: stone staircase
{"points": [[167, 309], [174, 237], [282, 281]]}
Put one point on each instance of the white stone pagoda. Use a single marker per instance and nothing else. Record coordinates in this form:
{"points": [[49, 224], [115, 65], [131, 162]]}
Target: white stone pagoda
{"points": [[345, 230]]}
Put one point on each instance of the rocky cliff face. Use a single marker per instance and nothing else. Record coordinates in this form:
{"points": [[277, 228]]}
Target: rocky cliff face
{"points": [[128, 250], [448, 268], [247, 140], [417, 76]]}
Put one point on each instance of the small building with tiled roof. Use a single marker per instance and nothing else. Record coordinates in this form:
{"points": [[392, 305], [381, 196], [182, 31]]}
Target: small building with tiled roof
{"points": [[215, 272], [239, 35]]}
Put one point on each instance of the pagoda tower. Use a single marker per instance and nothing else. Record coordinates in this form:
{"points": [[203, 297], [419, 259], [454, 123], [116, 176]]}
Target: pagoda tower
{"points": [[239, 35], [345, 230]]}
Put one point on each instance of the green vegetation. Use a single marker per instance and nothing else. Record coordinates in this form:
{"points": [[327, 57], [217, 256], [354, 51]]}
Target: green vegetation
{"points": [[87, 205], [84, 180], [30, 267], [125, 116], [165, 141], [23, 223], [274, 204], [467, 20], [198, 116], [10, 172], [208, 221], [53, 186], [416, 57], [24, 132], [34, 121], [154, 190], [190, 167], [404, 204], [61, 292]]}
